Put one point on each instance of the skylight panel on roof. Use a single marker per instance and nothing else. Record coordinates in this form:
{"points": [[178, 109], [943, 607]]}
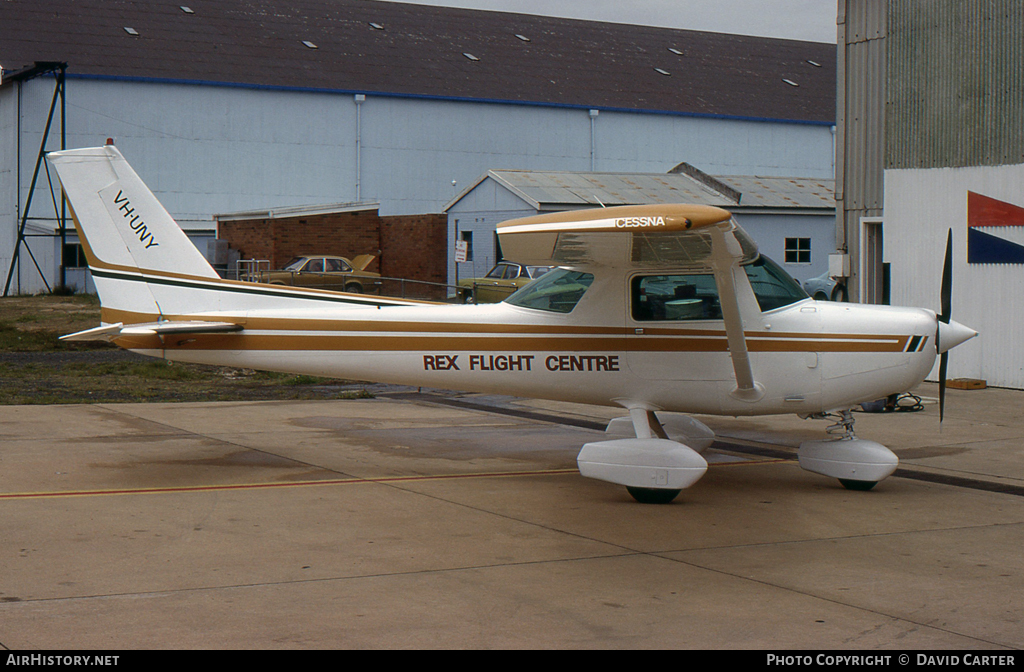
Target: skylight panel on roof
{"points": [[131, 31], [187, 10], [376, 26], [814, 63], [676, 51], [790, 82], [470, 56], [524, 38], [663, 72], [310, 44]]}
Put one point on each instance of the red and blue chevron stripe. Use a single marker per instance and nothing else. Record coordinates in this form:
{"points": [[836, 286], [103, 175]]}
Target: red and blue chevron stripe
{"points": [[1003, 221]]}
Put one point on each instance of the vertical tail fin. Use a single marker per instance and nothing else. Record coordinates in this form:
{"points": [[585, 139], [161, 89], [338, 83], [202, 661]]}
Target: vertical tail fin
{"points": [[128, 237]]}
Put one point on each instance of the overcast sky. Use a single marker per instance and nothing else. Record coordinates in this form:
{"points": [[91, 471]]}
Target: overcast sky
{"points": [[811, 20]]}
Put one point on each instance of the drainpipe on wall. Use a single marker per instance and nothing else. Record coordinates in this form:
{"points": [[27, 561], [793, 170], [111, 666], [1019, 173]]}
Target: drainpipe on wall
{"points": [[593, 119], [359, 97]]}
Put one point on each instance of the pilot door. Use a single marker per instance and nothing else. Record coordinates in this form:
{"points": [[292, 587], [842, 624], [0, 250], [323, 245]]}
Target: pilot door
{"points": [[677, 332], [675, 329]]}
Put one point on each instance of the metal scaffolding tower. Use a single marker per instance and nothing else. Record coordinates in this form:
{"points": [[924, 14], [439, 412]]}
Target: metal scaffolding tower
{"points": [[41, 68]]}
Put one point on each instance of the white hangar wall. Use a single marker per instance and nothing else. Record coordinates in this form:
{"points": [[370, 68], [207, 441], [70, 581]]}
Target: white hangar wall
{"points": [[921, 205], [207, 149]]}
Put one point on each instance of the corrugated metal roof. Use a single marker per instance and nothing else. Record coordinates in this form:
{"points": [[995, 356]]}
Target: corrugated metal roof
{"points": [[782, 192], [553, 190], [416, 50], [297, 211]]}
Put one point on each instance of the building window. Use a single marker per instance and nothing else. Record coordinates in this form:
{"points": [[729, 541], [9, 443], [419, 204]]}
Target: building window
{"points": [[798, 250], [74, 257], [467, 238]]}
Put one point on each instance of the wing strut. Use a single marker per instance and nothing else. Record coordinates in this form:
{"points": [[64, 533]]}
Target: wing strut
{"points": [[726, 254]]}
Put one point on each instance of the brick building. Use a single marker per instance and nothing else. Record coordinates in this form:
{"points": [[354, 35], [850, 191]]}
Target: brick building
{"points": [[405, 246]]}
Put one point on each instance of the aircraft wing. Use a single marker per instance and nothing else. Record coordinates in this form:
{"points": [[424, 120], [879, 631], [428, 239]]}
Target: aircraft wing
{"points": [[111, 331], [639, 236]]}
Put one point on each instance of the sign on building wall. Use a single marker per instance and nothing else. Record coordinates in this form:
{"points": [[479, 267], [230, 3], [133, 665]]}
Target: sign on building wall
{"points": [[995, 231], [461, 251]]}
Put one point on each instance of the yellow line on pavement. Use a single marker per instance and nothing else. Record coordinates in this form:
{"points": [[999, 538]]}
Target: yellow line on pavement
{"points": [[262, 486]]}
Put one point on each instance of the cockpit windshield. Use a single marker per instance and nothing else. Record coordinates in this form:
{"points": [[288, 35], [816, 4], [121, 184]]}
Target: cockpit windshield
{"points": [[773, 287]]}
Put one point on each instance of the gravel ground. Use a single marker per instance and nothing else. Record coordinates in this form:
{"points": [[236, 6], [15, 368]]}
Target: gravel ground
{"points": [[37, 368], [111, 376], [62, 357]]}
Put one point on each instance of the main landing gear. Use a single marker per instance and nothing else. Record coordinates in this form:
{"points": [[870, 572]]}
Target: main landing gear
{"points": [[653, 467], [665, 455], [857, 463]]}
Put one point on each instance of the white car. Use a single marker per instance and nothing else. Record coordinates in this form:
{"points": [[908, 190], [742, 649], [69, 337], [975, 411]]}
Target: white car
{"points": [[825, 288]]}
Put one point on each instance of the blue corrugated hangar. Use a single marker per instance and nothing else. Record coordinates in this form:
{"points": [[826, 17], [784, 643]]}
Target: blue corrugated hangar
{"points": [[224, 106]]}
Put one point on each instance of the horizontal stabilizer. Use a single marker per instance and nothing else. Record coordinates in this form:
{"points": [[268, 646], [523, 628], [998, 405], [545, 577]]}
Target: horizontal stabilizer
{"points": [[191, 327], [105, 333], [110, 332]]}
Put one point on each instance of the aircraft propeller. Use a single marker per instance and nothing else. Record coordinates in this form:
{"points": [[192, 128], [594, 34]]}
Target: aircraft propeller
{"points": [[946, 301], [948, 332]]}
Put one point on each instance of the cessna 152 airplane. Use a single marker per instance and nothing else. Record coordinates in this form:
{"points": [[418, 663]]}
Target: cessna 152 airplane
{"points": [[661, 310]]}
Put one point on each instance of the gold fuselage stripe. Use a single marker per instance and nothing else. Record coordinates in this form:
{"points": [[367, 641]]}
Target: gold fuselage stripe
{"points": [[381, 339], [403, 335]]}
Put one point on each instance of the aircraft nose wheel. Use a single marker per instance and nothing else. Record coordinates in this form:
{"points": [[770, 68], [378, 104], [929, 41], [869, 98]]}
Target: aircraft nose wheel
{"points": [[857, 463], [652, 495]]}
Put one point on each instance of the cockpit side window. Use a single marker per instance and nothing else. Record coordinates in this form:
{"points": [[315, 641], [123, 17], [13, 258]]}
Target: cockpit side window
{"points": [[655, 298], [675, 297]]}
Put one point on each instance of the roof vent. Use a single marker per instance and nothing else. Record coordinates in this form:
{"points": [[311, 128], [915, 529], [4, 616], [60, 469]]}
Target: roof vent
{"points": [[524, 38], [376, 26], [310, 44], [676, 51], [131, 31], [663, 72], [187, 10], [470, 56]]}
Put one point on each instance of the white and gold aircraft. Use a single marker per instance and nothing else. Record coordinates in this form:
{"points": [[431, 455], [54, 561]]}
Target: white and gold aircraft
{"points": [[661, 310]]}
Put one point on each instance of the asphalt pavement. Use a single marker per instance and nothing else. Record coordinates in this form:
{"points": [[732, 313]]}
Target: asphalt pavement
{"points": [[429, 519]]}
